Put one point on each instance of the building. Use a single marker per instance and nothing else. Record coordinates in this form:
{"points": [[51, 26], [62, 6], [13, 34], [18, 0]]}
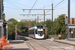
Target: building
{"points": [[72, 21], [70, 30]]}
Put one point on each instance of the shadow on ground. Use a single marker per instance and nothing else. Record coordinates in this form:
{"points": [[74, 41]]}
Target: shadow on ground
{"points": [[16, 41], [18, 49], [23, 38]]}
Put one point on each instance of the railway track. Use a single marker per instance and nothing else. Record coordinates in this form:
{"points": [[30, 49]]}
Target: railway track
{"points": [[53, 45], [45, 44], [59, 46], [36, 46], [30, 46]]}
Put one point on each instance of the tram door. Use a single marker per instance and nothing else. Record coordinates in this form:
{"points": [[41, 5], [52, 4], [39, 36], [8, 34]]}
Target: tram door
{"points": [[72, 32]]}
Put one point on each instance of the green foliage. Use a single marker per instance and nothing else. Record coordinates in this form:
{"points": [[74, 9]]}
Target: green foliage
{"points": [[11, 27], [3, 15], [58, 26], [63, 36], [61, 23], [2, 7], [12, 20], [49, 26], [11, 32], [32, 23], [41, 23]]}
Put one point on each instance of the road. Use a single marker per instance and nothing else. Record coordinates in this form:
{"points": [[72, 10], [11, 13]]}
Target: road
{"points": [[45, 44]]}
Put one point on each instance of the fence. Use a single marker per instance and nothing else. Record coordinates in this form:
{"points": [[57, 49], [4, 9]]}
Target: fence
{"points": [[54, 36]]}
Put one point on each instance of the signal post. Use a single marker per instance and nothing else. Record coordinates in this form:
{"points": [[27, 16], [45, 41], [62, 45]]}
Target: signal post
{"points": [[1, 21]]}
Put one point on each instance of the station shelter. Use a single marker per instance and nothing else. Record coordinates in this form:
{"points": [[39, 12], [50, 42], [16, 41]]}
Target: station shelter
{"points": [[71, 29]]}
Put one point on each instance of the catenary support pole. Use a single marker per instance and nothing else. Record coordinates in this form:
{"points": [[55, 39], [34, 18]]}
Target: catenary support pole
{"points": [[16, 32], [68, 11], [35, 21], [0, 9], [44, 17], [1, 18], [52, 19], [68, 33]]}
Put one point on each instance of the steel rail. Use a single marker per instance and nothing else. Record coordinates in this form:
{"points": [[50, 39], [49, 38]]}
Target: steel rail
{"points": [[52, 44], [39, 44]]}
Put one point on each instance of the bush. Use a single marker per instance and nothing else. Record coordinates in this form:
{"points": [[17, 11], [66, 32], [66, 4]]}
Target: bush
{"points": [[63, 36]]}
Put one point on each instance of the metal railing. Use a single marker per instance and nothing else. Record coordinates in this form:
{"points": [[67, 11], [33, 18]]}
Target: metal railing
{"points": [[53, 36]]}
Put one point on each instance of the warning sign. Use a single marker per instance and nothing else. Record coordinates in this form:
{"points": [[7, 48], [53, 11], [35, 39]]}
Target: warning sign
{"points": [[16, 34], [59, 35]]}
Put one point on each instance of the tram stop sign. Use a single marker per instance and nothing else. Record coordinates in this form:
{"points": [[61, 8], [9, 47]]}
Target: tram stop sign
{"points": [[16, 33], [59, 35]]}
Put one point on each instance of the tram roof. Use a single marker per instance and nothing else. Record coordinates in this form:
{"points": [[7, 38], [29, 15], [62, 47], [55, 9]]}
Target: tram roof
{"points": [[33, 27]]}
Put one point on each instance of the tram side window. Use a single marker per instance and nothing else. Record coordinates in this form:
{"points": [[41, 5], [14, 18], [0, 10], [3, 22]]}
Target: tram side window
{"points": [[0, 30], [36, 31], [32, 31], [44, 31]]}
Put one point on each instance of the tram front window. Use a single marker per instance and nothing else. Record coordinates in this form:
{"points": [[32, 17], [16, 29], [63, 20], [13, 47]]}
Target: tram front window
{"points": [[40, 33]]}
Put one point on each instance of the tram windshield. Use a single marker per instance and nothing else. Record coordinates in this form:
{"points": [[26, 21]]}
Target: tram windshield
{"points": [[40, 32]]}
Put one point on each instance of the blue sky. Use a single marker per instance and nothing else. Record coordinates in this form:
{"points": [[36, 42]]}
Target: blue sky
{"points": [[13, 8]]}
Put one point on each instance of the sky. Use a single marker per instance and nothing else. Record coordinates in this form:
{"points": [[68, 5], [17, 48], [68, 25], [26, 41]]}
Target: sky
{"points": [[13, 9]]}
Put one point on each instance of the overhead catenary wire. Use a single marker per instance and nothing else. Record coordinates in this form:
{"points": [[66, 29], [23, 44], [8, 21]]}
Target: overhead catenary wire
{"points": [[56, 5], [34, 4], [13, 4], [28, 6], [62, 8], [46, 6], [12, 8], [32, 7], [19, 4]]}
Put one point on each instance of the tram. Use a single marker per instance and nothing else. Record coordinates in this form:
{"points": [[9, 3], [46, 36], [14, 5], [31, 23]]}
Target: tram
{"points": [[37, 32]]}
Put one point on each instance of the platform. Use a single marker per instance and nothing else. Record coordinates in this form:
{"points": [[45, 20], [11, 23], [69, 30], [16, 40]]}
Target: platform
{"points": [[18, 45], [66, 42]]}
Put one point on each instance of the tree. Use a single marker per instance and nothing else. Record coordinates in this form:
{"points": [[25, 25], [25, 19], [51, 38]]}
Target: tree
{"points": [[11, 28], [59, 25], [41, 23], [49, 26], [3, 14], [11, 20], [11, 32]]}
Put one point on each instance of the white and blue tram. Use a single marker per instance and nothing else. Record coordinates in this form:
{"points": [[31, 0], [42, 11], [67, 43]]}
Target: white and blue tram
{"points": [[37, 32]]}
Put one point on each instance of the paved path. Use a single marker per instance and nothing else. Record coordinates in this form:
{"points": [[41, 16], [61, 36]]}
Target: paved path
{"points": [[49, 44], [18, 45], [44, 44], [66, 42]]}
